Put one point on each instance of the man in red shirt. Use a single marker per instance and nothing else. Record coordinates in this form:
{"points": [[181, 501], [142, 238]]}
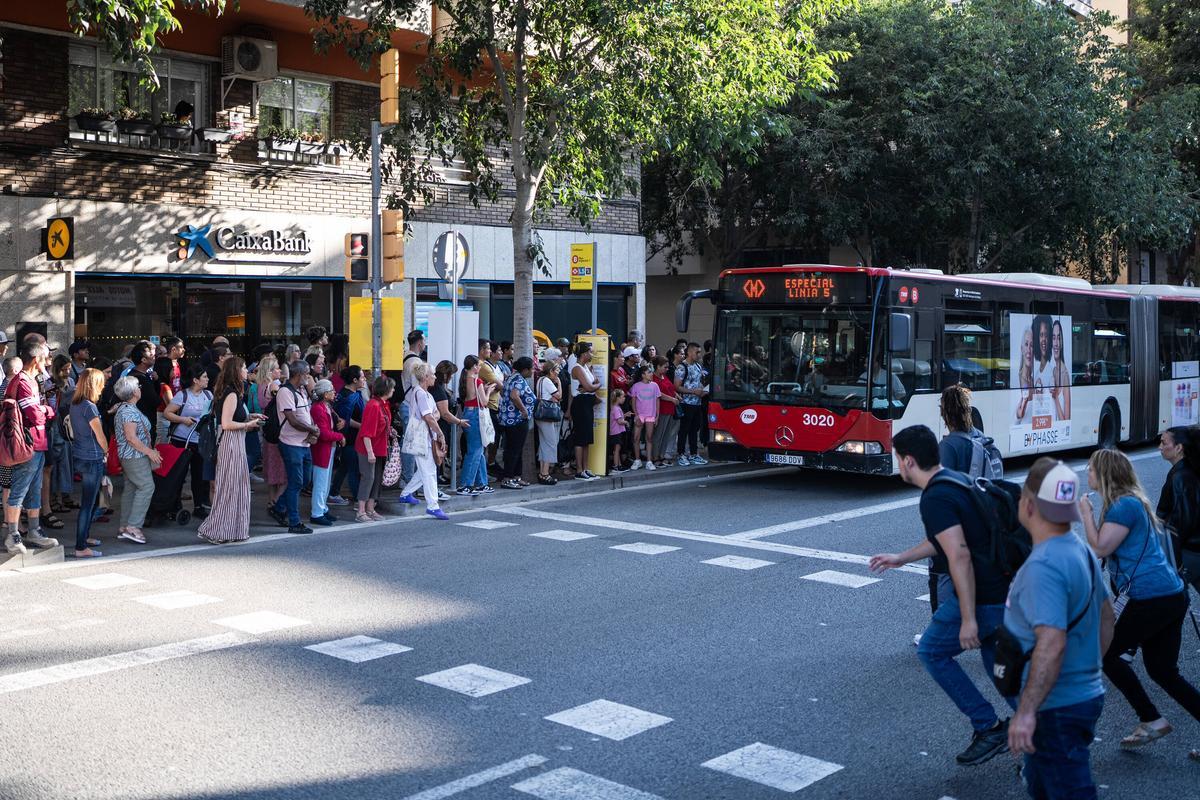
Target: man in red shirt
{"points": [[27, 478]]}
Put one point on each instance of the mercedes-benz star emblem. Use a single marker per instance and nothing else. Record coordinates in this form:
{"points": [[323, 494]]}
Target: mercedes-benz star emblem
{"points": [[784, 436]]}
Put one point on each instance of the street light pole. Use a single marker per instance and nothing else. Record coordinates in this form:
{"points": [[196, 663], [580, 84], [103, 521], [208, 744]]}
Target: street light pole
{"points": [[376, 243], [453, 245]]}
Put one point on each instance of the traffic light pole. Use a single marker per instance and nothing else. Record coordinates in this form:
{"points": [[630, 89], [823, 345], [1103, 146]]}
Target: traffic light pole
{"points": [[376, 244]]}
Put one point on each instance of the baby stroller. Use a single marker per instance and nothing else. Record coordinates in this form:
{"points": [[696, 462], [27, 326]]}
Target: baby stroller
{"points": [[165, 503]]}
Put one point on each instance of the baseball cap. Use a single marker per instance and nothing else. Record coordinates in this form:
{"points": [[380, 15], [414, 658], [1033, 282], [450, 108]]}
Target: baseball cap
{"points": [[3, 337], [630, 351], [1058, 494]]}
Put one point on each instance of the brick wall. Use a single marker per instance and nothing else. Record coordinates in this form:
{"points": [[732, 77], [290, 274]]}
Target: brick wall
{"points": [[35, 155]]}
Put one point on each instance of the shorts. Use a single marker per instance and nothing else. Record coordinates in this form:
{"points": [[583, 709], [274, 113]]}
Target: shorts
{"points": [[644, 420], [26, 488], [582, 407]]}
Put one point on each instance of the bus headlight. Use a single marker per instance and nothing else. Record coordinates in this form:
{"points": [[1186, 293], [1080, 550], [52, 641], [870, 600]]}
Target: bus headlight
{"points": [[861, 448], [723, 437]]}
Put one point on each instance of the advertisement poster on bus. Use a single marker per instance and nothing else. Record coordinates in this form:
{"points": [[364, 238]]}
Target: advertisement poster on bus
{"points": [[1040, 365], [1185, 392]]}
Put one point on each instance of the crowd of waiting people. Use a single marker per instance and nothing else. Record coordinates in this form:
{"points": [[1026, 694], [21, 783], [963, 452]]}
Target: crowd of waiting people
{"points": [[308, 424]]}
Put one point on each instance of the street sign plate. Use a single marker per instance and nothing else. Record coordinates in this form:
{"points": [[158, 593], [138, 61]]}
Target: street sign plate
{"points": [[442, 253]]}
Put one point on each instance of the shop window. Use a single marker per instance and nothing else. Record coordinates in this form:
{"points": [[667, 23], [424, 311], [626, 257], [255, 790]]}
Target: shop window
{"points": [[294, 121], [96, 82]]}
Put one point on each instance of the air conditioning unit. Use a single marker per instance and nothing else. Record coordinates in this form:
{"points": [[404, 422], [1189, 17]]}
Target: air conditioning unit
{"points": [[244, 57]]}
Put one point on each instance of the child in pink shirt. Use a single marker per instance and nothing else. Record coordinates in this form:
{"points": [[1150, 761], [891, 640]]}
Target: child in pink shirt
{"points": [[645, 393], [617, 417]]}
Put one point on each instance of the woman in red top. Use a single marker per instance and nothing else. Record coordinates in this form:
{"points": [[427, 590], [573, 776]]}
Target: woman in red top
{"points": [[668, 426], [372, 447], [328, 438]]}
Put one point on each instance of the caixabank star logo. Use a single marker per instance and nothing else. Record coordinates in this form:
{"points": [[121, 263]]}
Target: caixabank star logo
{"points": [[192, 238]]}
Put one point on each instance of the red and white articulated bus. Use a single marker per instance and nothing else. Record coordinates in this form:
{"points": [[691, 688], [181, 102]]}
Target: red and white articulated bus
{"points": [[818, 366]]}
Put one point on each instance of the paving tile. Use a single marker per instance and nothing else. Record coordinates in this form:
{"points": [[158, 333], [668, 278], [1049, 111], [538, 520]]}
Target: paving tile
{"points": [[260, 622], [840, 578], [564, 536], [184, 598], [474, 680], [358, 649], [565, 783], [105, 580], [608, 719], [774, 767], [644, 548], [738, 562]]}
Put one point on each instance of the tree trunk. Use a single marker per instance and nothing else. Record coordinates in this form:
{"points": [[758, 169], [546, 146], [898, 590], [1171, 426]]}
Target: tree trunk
{"points": [[522, 233]]}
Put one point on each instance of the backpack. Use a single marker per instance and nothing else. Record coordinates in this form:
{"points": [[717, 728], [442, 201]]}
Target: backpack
{"points": [[207, 436], [996, 501], [16, 445], [404, 390], [271, 427], [985, 456]]}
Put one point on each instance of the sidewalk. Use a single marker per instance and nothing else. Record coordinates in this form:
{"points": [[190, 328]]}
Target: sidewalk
{"points": [[169, 534]]}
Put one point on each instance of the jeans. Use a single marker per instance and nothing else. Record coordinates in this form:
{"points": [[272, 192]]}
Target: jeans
{"points": [[297, 461], [514, 448], [689, 429], [347, 470], [92, 473], [939, 646], [253, 450], [62, 476], [27, 483], [1156, 626], [139, 488], [320, 494], [1060, 769], [408, 463], [474, 466]]}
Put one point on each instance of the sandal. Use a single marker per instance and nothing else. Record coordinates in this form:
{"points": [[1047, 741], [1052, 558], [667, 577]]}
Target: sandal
{"points": [[1143, 735], [133, 535], [364, 517], [69, 503], [376, 516], [51, 521], [93, 542], [57, 507], [87, 553], [547, 480]]}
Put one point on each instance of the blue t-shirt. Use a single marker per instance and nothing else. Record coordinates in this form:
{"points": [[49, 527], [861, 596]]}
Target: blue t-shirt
{"points": [[1139, 562], [1051, 589], [84, 447]]}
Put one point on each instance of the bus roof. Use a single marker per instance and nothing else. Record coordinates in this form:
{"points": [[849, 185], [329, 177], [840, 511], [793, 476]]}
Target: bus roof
{"points": [[1161, 290]]}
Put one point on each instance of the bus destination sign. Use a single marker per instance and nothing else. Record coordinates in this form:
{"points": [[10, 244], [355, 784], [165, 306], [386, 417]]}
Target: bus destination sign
{"points": [[799, 287]]}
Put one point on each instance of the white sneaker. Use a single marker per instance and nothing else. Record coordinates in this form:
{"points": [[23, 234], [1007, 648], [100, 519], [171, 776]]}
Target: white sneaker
{"points": [[698, 461], [636, 464], [683, 461], [650, 466], [13, 544], [917, 640]]}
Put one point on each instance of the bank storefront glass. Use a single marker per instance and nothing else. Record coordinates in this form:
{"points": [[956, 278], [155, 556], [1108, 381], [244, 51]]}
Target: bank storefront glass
{"points": [[112, 312]]}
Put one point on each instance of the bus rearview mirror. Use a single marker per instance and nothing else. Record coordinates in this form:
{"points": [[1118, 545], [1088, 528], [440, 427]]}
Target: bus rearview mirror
{"points": [[901, 332]]}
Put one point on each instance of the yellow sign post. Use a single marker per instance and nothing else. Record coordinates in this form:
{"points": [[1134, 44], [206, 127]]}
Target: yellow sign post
{"points": [[598, 452], [583, 266], [362, 330]]}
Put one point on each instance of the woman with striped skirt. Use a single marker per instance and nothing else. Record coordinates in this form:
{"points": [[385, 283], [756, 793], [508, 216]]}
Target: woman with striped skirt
{"points": [[229, 520]]}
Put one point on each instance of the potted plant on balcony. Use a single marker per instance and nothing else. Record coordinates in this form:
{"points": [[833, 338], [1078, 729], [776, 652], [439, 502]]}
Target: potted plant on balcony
{"points": [[338, 148], [97, 120], [214, 135], [134, 122], [169, 127], [279, 139], [311, 143]]}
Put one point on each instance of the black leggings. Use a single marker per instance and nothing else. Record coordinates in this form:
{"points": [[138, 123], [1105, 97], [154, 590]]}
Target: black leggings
{"points": [[1156, 626], [689, 429], [196, 465], [514, 448]]}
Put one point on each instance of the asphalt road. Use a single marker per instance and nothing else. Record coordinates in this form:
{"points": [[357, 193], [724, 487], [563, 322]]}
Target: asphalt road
{"points": [[547, 660]]}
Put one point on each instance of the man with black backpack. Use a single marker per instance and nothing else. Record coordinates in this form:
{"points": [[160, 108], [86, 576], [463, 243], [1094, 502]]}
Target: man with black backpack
{"points": [[971, 588]]}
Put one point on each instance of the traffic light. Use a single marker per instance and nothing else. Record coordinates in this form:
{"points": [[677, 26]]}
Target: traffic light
{"points": [[389, 87], [358, 257], [393, 245]]}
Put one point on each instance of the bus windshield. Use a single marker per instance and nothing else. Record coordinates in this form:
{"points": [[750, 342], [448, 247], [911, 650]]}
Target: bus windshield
{"points": [[806, 357]]}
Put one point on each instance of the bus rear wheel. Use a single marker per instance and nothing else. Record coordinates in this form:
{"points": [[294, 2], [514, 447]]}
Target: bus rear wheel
{"points": [[1109, 428]]}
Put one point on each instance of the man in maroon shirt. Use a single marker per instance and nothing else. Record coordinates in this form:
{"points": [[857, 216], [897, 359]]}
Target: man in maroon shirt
{"points": [[27, 478]]}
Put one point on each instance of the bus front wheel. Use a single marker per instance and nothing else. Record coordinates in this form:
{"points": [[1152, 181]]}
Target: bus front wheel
{"points": [[1109, 428]]}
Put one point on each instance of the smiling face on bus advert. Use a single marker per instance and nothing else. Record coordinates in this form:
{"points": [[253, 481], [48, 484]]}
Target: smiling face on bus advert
{"points": [[1040, 375]]}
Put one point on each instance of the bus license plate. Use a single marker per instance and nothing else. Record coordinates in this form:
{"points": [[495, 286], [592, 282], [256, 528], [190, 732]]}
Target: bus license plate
{"points": [[791, 461]]}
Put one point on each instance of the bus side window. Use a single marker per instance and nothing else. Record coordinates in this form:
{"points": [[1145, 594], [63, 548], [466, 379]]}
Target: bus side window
{"points": [[967, 351]]}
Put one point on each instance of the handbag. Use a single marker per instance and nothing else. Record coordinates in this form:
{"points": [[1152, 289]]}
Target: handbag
{"points": [[112, 462], [1011, 658], [487, 431], [393, 469], [547, 411]]}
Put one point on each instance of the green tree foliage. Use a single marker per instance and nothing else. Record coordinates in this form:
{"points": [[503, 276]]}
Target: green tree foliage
{"points": [[130, 29], [982, 135], [568, 95]]}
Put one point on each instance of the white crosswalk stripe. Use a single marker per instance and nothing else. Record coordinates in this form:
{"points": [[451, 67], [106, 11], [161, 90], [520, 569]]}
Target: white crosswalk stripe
{"points": [[260, 622], [738, 562], [645, 548], [105, 580], [487, 524], [564, 536], [840, 578], [565, 783], [357, 649], [774, 767], [474, 680], [481, 778], [184, 598], [608, 719]]}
